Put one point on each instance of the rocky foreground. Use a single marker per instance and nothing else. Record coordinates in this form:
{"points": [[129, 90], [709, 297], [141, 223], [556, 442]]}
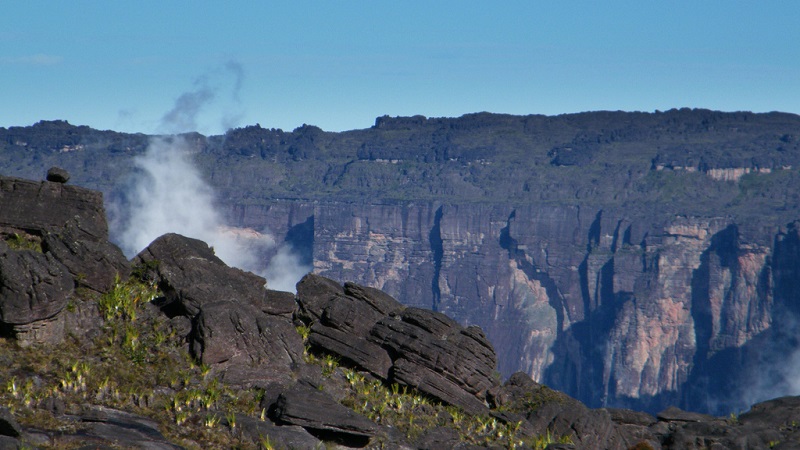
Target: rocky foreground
{"points": [[174, 349]]}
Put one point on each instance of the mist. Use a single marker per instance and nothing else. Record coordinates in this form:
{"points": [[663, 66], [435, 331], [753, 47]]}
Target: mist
{"points": [[166, 193]]}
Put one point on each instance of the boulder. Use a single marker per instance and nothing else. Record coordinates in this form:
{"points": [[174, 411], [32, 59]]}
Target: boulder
{"points": [[246, 343], [317, 412], [190, 275], [352, 349], [313, 295], [57, 175]]}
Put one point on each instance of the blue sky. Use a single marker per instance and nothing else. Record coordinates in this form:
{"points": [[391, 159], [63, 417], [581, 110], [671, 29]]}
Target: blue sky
{"points": [[340, 64]]}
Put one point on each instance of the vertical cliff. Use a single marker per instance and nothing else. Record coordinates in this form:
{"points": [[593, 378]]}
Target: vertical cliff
{"points": [[630, 259], [610, 308]]}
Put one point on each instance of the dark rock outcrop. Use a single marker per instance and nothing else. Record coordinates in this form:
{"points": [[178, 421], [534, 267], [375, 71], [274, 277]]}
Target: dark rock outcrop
{"points": [[315, 410], [411, 346], [53, 238], [433, 353], [33, 286], [191, 275], [239, 327], [106, 425], [245, 343], [92, 261]]}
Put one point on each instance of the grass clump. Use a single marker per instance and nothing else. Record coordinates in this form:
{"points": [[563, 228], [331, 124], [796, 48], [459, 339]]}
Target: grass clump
{"points": [[17, 241]]}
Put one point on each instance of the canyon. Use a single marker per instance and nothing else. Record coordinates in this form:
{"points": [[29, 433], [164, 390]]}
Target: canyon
{"points": [[633, 260]]}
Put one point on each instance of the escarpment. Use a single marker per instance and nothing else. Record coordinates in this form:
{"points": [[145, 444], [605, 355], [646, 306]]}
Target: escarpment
{"points": [[190, 353], [629, 259]]}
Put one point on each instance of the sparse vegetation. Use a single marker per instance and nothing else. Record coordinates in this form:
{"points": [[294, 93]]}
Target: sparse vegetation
{"points": [[17, 241]]}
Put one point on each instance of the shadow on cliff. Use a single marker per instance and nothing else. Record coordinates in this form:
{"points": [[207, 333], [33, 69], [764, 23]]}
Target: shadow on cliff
{"points": [[578, 367], [732, 378], [724, 378]]}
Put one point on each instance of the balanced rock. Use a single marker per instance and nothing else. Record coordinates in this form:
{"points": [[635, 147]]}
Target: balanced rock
{"points": [[57, 175]]}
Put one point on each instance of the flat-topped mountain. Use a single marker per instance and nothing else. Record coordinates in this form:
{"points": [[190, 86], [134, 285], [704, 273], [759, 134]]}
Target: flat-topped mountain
{"points": [[628, 259]]}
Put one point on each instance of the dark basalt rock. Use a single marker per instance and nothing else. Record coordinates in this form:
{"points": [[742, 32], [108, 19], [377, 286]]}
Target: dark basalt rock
{"points": [[316, 411], [33, 286], [191, 275]]}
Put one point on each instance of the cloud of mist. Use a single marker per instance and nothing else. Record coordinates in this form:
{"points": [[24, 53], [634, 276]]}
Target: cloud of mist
{"points": [[167, 194], [208, 89]]}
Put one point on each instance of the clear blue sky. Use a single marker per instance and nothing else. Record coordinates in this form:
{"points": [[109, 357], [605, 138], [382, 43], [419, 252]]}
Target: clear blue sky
{"points": [[339, 64]]}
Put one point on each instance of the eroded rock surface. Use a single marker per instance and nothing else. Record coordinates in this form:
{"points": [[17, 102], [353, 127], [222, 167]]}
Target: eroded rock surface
{"points": [[411, 346]]}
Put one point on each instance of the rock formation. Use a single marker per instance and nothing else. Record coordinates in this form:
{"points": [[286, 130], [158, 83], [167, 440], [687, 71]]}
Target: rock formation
{"points": [[246, 339], [629, 259]]}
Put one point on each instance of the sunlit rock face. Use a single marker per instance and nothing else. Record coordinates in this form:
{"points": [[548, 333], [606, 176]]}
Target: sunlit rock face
{"points": [[630, 259], [613, 309]]}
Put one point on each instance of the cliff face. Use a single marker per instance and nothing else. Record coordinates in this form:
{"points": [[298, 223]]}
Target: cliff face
{"points": [[612, 309], [629, 259]]}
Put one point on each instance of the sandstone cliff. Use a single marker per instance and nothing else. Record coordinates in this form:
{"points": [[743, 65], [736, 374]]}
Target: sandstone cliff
{"points": [[629, 259], [191, 353]]}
